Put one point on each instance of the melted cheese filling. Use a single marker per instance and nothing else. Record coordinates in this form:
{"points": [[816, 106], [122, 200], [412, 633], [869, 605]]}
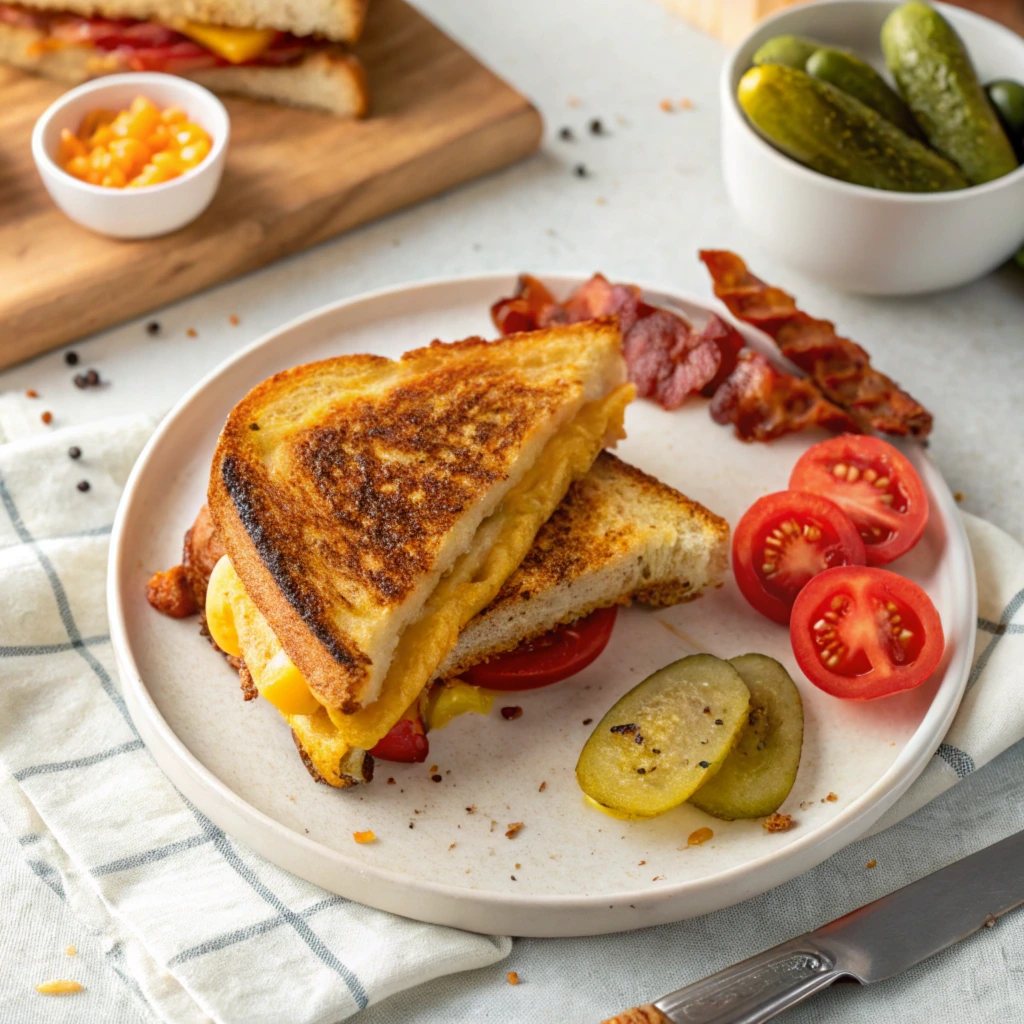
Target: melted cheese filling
{"points": [[235, 45], [500, 544]]}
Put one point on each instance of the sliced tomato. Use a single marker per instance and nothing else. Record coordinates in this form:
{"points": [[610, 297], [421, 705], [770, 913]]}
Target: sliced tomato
{"points": [[556, 655], [406, 742], [785, 539], [874, 484], [861, 633]]}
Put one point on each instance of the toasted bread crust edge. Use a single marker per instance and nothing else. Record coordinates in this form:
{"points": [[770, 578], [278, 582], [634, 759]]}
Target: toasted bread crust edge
{"points": [[341, 21], [328, 79]]}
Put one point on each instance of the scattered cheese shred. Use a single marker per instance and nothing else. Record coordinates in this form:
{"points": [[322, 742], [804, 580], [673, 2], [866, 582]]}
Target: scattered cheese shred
{"points": [[364, 837], [71, 951], [59, 988], [512, 978]]}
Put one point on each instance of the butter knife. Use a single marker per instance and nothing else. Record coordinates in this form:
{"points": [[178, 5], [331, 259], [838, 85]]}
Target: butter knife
{"points": [[875, 942]]}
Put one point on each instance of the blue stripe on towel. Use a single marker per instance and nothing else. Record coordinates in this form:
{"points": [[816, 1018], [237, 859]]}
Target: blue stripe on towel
{"points": [[135, 860], [34, 649], [80, 762], [959, 760], [63, 605], [999, 630], [249, 932]]}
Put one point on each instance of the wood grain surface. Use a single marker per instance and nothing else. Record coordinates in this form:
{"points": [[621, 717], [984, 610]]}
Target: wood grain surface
{"points": [[293, 179]]}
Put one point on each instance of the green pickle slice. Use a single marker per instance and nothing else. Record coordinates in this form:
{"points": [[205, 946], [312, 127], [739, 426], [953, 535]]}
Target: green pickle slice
{"points": [[761, 769], [665, 738]]}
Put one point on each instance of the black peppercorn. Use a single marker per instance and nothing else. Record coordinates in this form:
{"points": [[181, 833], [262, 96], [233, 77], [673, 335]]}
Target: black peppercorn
{"points": [[580, 170], [153, 327], [71, 358], [80, 381], [596, 127], [83, 485], [75, 452], [92, 378], [565, 134]]}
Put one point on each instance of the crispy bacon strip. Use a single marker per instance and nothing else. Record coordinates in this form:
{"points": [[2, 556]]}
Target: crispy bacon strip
{"points": [[762, 402], [667, 361], [839, 366]]}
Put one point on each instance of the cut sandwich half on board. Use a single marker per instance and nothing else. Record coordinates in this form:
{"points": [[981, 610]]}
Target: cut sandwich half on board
{"points": [[370, 508], [270, 49]]}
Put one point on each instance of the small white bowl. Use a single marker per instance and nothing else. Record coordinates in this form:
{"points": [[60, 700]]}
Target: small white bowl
{"points": [[135, 212], [861, 239]]}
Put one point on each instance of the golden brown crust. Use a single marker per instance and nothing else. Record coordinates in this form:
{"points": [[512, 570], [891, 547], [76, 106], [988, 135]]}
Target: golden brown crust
{"points": [[568, 545], [338, 20], [336, 485]]}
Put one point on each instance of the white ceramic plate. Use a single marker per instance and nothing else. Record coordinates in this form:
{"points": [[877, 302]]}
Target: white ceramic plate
{"points": [[442, 854]]}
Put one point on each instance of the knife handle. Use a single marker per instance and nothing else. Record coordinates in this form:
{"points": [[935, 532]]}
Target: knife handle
{"points": [[750, 992]]}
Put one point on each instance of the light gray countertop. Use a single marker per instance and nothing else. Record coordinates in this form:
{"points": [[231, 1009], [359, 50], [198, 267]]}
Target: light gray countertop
{"points": [[652, 198]]}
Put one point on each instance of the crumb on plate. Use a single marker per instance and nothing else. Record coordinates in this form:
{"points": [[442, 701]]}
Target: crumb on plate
{"points": [[778, 822], [513, 828], [364, 837]]}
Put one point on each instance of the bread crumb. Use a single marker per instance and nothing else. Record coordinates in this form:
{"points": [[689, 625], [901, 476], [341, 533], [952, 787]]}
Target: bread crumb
{"points": [[71, 951], [233, 320], [58, 988], [958, 495], [364, 837], [543, 786], [658, 878], [452, 847], [192, 333], [778, 822], [512, 978], [391, 782], [831, 798], [642, 863], [871, 864], [31, 393], [433, 768], [470, 810], [513, 828]]}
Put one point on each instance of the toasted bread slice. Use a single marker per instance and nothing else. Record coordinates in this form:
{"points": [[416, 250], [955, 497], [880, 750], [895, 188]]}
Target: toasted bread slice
{"points": [[338, 20], [328, 78], [618, 536], [345, 491]]}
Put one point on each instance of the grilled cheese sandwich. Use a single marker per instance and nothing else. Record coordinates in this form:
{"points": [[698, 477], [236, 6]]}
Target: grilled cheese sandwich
{"points": [[370, 509], [265, 49]]}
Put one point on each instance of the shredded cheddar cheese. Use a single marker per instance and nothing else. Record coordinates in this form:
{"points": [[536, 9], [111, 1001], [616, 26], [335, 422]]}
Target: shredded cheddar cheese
{"points": [[60, 987], [140, 146]]}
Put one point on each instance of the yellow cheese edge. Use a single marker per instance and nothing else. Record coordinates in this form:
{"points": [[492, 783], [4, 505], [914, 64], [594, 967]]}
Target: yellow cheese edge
{"points": [[235, 45], [328, 735]]}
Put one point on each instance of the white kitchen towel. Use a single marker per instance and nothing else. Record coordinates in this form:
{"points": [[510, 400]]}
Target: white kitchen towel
{"points": [[197, 925], [200, 926]]}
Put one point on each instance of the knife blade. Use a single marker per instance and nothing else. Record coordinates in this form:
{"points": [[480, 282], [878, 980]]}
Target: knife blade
{"points": [[879, 940]]}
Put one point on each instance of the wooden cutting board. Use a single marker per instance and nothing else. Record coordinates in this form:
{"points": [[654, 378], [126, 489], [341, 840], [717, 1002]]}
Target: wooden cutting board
{"points": [[293, 178]]}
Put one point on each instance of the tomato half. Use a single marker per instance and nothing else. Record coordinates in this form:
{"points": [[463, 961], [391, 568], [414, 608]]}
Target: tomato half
{"points": [[405, 742], [861, 633], [556, 655], [874, 484], [782, 541]]}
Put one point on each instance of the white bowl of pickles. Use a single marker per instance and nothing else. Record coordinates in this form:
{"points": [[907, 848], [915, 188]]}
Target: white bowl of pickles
{"points": [[877, 145]]}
